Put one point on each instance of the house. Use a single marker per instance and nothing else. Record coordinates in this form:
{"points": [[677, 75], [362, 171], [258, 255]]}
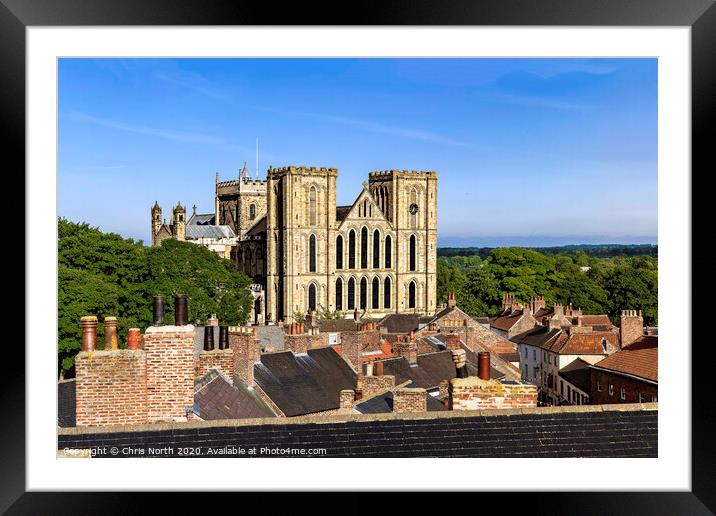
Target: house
{"points": [[630, 375]]}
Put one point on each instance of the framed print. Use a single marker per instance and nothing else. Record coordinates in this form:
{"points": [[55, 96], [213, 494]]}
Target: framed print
{"points": [[428, 236]]}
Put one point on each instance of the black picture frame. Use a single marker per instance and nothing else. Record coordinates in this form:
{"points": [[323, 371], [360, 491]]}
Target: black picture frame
{"points": [[700, 15]]}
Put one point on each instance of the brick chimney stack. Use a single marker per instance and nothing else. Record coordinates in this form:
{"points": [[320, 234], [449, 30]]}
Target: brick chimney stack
{"points": [[347, 397], [631, 325], [452, 341], [537, 303], [451, 302], [134, 338], [410, 400], [246, 348], [459, 358]]}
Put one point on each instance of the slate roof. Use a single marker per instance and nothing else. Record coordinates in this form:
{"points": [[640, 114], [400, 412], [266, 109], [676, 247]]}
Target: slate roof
{"points": [[201, 219], [336, 325], [608, 431], [304, 383], [66, 405], [216, 398], [342, 212], [195, 231], [383, 403], [400, 323], [640, 358], [258, 228], [271, 337], [578, 374]]}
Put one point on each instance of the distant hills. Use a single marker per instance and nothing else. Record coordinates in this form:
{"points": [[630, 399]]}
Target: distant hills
{"points": [[596, 250]]}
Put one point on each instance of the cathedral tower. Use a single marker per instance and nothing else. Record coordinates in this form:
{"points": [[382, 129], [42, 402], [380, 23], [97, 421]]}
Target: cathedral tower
{"points": [[156, 222], [179, 222]]}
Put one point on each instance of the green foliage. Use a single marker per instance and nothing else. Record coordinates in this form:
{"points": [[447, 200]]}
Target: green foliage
{"points": [[607, 287], [104, 274]]}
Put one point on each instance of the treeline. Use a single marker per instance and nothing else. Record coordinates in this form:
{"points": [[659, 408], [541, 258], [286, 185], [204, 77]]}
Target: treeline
{"points": [[596, 285], [104, 274], [595, 250]]}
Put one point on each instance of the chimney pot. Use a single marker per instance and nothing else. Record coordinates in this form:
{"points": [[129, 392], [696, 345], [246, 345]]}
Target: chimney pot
{"points": [[378, 369], [369, 369], [88, 323], [483, 365], [223, 337], [110, 333], [208, 338], [158, 311], [134, 338], [181, 310]]}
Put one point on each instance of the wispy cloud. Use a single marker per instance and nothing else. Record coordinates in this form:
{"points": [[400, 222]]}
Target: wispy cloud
{"points": [[196, 83], [403, 132], [179, 136], [537, 101]]}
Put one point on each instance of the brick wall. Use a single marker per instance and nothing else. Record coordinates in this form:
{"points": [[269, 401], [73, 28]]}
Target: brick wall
{"points": [[472, 393], [111, 387], [631, 326], [347, 396], [246, 351], [410, 400], [221, 359], [301, 343], [170, 372], [353, 343], [368, 385], [632, 388]]}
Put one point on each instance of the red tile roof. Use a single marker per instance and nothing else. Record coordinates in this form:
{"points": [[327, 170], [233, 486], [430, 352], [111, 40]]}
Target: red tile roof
{"points": [[505, 322], [596, 320], [640, 358]]}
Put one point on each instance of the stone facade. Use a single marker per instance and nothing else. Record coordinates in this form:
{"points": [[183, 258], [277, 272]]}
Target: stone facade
{"points": [[369, 385], [472, 393], [111, 387]]}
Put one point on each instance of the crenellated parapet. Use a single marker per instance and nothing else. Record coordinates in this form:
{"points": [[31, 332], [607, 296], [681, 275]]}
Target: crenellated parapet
{"points": [[387, 174], [277, 172]]}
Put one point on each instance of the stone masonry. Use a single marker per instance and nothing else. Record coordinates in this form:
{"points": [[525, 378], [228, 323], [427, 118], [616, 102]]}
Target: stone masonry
{"points": [[410, 400], [170, 372], [369, 385], [472, 393]]}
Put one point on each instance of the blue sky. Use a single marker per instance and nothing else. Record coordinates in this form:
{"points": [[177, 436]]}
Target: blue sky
{"points": [[527, 151]]}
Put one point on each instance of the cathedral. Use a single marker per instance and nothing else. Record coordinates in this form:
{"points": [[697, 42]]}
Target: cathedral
{"points": [[377, 256]]}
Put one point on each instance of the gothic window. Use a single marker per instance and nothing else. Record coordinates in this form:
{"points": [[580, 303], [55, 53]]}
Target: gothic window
{"points": [[363, 293], [386, 293], [364, 248], [312, 297], [411, 295], [388, 252], [312, 253], [339, 294], [351, 294], [412, 253], [339, 252], [312, 217], [375, 293], [252, 211], [376, 249], [352, 249]]}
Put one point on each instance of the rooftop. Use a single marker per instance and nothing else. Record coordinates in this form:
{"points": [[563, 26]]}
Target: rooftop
{"points": [[216, 398], [628, 430], [640, 358]]}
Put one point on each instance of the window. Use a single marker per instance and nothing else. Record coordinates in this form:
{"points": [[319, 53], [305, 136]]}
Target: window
{"points": [[388, 252], [534, 354], [622, 393], [599, 386], [604, 345], [363, 293], [339, 252], [641, 397], [339, 294], [561, 388], [386, 293], [569, 392], [312, 297], [312, 215], [351, 294], [411, 295], [352, 249], [312, 253], [413, 214], [375, 293], [412, 253], [252, 211], [364, 248], [611, 390], [376, 249]]}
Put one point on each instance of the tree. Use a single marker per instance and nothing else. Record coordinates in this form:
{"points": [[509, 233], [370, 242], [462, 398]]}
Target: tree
{"points": [[212, 284]]}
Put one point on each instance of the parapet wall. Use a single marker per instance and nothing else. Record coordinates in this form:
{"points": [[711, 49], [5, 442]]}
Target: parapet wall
{"points": [[473, 393]]}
